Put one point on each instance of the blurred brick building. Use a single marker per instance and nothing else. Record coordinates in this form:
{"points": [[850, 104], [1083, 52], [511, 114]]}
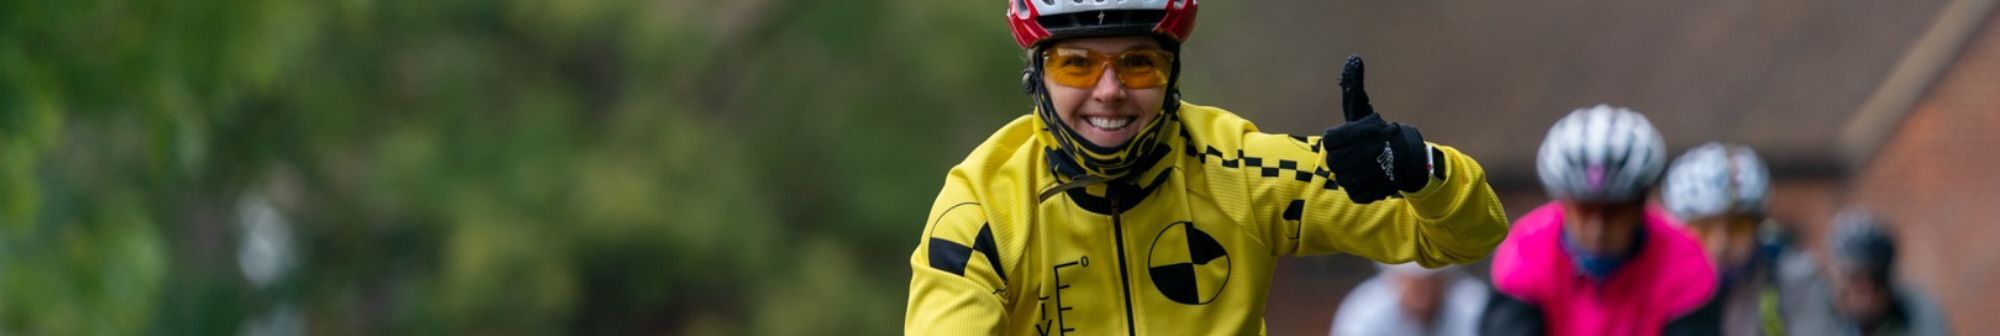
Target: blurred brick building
{"points": [[1935, 167], [1891, 105]]}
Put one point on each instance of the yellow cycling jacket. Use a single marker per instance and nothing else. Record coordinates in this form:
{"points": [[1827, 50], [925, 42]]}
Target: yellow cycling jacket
{"points": [[1192, 249]]}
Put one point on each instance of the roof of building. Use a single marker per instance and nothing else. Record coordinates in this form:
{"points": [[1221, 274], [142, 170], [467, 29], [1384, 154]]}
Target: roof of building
{"points": [[1811, 84]]}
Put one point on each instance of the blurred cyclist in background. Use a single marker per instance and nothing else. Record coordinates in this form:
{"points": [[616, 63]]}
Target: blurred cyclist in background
{"points": [[1869, 299], [1598, 260], [1720, 192], [1408, 299]]}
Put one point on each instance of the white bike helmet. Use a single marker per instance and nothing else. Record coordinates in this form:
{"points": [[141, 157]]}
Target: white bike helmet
{"points": [[1717, 179], [1601, 154]]}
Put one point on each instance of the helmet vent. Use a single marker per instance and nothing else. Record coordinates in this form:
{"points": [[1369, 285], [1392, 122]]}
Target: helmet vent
{"points": [[1102, 23]]}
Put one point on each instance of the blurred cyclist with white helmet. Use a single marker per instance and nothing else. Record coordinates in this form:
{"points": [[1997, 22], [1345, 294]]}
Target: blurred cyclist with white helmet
{"points": [[1721, 192], [1598, 260]]}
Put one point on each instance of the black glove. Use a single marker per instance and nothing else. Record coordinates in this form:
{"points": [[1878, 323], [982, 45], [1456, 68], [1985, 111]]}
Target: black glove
{"points": [[1370, 158]]}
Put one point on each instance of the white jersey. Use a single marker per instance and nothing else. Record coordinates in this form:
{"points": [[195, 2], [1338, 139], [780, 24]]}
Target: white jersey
{"points": [[1371, 309]]}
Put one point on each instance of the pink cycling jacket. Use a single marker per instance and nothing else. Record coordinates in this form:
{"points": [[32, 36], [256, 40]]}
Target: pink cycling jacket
{"points": [[1669, 277]]}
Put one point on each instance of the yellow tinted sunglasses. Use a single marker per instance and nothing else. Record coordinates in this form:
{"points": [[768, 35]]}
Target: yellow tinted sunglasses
{"points": [[1079, 68]]}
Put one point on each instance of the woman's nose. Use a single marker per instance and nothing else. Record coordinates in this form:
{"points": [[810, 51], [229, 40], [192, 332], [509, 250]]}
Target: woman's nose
{"points": [[1108, 88]]}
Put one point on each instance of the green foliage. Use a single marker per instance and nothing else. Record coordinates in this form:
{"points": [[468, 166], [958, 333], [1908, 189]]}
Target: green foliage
{"points": [[483, 167]]}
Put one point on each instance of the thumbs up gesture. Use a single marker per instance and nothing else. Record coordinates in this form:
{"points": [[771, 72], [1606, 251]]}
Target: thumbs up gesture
{"points": [[1372, 159], [1353, 94]]}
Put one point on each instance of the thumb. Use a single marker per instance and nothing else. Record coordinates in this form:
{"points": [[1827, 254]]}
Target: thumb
{"points": [[1353, 96]]}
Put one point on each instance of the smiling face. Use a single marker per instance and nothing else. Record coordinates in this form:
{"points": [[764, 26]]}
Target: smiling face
{"points": [[1107, 114]]}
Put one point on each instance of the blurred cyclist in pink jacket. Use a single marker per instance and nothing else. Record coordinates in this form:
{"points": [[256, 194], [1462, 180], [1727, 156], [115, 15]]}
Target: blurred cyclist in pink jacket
{"points": [[1599, 260]]}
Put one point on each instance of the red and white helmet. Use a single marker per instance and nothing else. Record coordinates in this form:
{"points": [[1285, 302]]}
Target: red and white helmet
{"points": [[1037, 21]]}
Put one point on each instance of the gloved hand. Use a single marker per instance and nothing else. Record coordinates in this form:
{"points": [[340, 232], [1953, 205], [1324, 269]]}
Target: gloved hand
{"points": [[1370, 158]]}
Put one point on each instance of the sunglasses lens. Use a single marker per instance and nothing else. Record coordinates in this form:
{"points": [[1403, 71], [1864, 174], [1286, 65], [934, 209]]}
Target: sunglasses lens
{"points": [[1072, 67], [1144, 69]]}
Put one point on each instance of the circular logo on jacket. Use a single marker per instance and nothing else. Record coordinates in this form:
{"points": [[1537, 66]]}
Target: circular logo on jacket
{"points": [[1188, 265]]}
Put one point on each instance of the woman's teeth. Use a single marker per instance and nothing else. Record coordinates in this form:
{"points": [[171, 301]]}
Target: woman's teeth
{"points": [[1108, 123]]}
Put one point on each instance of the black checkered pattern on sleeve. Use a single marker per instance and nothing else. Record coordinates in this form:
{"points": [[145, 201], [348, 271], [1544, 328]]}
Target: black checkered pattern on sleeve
{"points": [[1265, 167]]}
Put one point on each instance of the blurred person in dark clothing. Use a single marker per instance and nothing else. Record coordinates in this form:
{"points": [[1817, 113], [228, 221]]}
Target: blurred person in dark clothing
{"points": [[1866, 293]]}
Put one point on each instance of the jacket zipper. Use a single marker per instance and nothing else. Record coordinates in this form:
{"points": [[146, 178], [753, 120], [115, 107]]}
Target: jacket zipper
{"points": [[1124, 280]]}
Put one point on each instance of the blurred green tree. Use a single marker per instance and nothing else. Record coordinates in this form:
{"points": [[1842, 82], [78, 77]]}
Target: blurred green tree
{"points": [[482, 167]]}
